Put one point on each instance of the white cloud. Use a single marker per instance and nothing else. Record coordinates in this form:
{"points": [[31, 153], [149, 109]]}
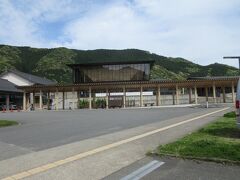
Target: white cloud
{"points": [[22, 22], [54, 10], [115, 27], [198, 30], [14, 28]]}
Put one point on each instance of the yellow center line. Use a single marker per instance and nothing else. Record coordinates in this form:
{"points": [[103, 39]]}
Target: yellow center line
{"points": [[58, 163]]}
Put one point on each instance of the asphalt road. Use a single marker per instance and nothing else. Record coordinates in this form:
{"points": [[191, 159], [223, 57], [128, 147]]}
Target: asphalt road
{"points": [[43, 130]]}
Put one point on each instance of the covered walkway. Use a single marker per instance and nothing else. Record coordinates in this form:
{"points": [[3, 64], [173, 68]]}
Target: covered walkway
{"points": [[131, 94]]}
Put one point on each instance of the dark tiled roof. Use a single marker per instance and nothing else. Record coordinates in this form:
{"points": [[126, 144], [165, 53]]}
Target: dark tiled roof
{"points": [[7, 86], [190, 82], [213, 77], [106, 62], [32, 78]]}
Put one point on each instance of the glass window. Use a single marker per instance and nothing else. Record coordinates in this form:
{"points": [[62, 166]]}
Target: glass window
{"points": [[118, 72]]}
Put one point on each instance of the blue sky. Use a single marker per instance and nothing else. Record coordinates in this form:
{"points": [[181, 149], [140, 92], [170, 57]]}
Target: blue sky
{"points": [[202, 31]]}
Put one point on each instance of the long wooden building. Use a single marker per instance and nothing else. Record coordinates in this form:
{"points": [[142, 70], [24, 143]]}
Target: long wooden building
{"points": [[126, 84]]}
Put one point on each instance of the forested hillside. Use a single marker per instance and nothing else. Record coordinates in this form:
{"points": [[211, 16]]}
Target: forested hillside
{"points": [[51, 63]]}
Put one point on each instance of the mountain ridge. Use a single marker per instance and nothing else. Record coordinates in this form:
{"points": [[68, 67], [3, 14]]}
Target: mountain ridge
{"points": [[51, 62]]}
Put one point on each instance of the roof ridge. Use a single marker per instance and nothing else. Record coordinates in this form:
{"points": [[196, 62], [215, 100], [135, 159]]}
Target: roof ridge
{"points": [[30, 77], [8, 86], [15, 70]]}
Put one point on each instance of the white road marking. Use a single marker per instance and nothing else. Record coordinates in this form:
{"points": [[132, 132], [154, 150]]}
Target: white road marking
{"points": [[143, 171], [58, 163]]}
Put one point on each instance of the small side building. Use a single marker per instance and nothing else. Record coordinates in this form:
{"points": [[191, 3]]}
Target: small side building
{"points": [[11, 95], [24, 79]]}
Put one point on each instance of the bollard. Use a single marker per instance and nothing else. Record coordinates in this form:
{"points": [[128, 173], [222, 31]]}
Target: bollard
{"points": [[207, 105]]}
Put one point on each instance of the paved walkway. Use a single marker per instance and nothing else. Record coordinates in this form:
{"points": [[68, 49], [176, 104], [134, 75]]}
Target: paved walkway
{"points": [[166, 168]]}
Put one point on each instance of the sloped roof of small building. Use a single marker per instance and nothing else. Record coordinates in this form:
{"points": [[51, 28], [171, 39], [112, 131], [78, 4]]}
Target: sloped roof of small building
{"points": [[31, 78], [7, 86]]}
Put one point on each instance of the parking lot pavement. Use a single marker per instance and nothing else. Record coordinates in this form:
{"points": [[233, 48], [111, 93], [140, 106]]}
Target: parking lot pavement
{"points": [[174, 168], [43, 130]]}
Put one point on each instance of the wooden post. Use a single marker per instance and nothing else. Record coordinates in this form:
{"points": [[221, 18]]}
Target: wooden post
{"points": [[90, 97], [48, 100], [177, 95], [206, 92], [40, 100], [63, 100], [141, 96], [73, 93], [7, 102], [158, 95], [107, 98], [190, 95], [195, 95], [24, 101], [224, 94], [173, 95], [78, 98], [33, 100], [124, 97], [233, 93], [56, 97], [214, 93]]}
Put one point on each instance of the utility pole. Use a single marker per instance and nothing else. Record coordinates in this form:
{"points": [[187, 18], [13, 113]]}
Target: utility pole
{"points": [[234, 57]]}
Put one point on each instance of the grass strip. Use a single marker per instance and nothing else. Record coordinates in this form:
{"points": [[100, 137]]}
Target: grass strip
{"points": [[219, 141], [4, 123]]}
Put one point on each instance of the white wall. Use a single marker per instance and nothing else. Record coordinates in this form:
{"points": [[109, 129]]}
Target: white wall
{"points": [[13, 78], [71, 100]]}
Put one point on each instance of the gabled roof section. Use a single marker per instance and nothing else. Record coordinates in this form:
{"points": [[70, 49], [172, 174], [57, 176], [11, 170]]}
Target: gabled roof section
{"points": [[31, 78], [7, 86]]}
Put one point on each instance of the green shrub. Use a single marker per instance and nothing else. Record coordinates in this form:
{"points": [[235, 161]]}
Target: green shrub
{"points": [[230, 114], [99, 103], [83, 104]]}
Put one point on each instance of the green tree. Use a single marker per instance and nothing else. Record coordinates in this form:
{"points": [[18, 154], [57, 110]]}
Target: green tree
{"points": [[54, 65], [5, 64], [9, 58]]}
